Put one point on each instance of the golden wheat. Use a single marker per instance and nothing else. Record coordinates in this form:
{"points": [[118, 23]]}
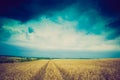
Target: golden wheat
{"points": [[20, 71], [103, 69], [89, 69]]}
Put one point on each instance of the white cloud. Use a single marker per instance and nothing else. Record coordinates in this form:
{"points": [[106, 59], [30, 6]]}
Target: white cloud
{"points": [[49, 35]]}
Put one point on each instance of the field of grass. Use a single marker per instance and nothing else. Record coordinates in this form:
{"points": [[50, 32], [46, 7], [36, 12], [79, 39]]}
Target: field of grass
{"points": [[62, 69]]}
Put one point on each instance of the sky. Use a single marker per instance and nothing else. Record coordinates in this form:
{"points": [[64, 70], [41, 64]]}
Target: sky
{"points": [[60, 28]]}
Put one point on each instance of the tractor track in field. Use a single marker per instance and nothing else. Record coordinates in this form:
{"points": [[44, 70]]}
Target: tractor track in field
{"points": [[52, 72], [61, 72], [66, 76], [41, 73]]}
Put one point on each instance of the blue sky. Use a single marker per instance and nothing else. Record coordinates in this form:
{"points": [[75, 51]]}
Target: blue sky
{"points": [[71, 28]]}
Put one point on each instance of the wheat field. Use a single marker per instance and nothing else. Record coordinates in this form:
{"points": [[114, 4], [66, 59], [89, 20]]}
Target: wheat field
{"points": [[62, 69]]}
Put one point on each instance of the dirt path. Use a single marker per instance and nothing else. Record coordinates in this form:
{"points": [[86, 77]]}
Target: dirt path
{"points": [[41, 73], [48, 72], [52, 73], [61, 72]]}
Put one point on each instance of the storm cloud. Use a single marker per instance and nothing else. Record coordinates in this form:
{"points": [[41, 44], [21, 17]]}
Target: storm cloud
{"points": [[25, 10]]}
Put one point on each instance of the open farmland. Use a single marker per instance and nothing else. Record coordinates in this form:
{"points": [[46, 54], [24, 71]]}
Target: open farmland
{"points": [[62, 69]]}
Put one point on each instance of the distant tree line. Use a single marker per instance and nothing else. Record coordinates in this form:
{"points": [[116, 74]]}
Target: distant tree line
{"points": [[4, 59]]}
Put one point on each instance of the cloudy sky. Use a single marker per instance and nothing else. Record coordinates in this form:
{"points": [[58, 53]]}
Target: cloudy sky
{"points": [[60, 28]]}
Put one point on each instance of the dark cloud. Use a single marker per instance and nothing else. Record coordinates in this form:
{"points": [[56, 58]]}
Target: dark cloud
{"points": [[110, 8], [24, 10], [116, 26], [27, 9], [107, 9], [12, 9]]}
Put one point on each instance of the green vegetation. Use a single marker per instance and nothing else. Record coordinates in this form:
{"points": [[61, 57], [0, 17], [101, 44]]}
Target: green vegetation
{"points": [[12, 59]]}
